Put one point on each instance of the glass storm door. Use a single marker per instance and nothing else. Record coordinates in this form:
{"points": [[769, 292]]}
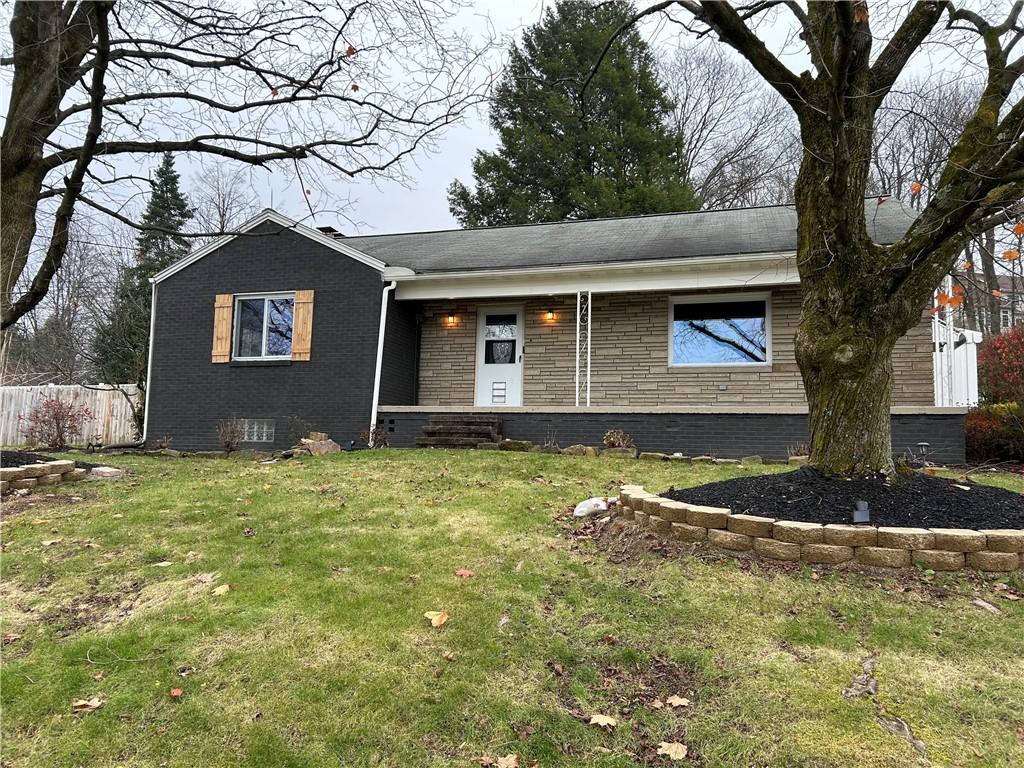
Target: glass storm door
{"points": [[499, 357]]}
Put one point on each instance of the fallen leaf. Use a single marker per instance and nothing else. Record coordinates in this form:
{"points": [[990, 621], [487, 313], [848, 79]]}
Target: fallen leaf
{"points": [[99, 675], [223, 589], [503, 621], [249, 532], [449, 655], [11, 637], [51, 542], [609, 640], [464, 573], [437, 618], [508, 761], [657, 704], [604, 721], [163, 564], [673, 750], [82, 706], [677, 701], [267, 488], [558, 669], [176, 693]]}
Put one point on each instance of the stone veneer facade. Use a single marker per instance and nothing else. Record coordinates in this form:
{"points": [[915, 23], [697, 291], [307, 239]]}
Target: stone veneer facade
{"points": [[629, 362]]}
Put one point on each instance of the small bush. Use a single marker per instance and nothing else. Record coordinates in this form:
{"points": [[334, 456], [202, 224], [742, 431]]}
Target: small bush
{"points": [[617, 438], [229, 434], [995, 432], [1001, 367], [55, 423]]}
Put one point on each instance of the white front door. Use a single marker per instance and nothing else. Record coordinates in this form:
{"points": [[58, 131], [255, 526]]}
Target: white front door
{"points": [[499, 356]]}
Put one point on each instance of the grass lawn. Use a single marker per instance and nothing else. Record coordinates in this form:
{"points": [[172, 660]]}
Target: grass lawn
{"points": [[319, 655]]}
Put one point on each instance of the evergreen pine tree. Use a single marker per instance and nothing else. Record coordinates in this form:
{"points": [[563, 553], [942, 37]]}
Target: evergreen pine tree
{"points": [[121, 344], [563, 156]]}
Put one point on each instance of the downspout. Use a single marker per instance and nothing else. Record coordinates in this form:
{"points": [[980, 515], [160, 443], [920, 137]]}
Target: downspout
{"points": [[380, 357], [141, 442]]}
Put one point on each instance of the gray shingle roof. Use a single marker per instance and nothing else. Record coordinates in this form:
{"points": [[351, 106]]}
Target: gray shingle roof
{"points": [[601, 241]]}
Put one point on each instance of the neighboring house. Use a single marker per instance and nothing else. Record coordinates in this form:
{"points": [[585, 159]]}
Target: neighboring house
{"points": [[677, 328]]}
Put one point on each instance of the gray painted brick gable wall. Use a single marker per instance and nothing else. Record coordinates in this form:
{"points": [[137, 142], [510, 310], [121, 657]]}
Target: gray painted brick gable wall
{"points": [[331, 392]]}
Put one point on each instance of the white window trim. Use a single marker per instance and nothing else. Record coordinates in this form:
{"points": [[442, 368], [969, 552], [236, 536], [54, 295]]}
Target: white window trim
{"points": [[266, 308], [715, 298]]}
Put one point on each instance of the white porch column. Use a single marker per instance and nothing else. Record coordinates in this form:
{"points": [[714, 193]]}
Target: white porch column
{"points": [[583, 322]]}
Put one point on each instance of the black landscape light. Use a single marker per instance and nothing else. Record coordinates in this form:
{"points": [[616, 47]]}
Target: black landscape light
{"points": [[860, 512]]}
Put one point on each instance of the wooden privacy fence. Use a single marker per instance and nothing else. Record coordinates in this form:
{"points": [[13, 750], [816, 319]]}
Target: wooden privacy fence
{"points": [[111, 420]]}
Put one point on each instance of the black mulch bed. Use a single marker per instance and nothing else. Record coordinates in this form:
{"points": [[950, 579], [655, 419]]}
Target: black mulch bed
{"points": [[914, 500], [21, 458]]}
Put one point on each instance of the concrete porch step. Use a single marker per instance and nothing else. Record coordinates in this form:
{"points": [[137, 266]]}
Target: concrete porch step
{"points": [[487, 431], [464, 420], [450, 442]]}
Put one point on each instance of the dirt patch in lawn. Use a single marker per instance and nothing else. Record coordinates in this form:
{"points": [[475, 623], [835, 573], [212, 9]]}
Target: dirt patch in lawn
{"points": [[914, 500], [21, 458], [16, 505]]}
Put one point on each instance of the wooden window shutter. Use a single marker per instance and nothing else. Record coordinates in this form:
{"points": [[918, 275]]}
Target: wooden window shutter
{"points": [[222, 308], [302, 325]]}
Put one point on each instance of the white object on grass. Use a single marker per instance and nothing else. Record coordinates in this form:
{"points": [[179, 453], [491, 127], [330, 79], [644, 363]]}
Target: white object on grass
{"points": [[594, 506]]}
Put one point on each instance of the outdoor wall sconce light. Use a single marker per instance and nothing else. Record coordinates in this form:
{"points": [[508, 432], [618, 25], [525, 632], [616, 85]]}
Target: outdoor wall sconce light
{"points": [[550, 316], [451, 320]]}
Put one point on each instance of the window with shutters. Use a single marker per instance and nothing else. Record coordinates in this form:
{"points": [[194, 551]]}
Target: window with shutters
{"points": [[263, 326], [720, 330]]}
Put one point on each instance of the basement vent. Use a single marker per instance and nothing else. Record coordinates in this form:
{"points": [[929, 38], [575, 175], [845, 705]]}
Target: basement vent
{"points": [[257, 430]]}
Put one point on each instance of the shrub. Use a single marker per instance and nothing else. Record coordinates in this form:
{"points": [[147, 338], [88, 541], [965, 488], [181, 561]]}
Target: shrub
{"points": [[996, 432], [229, 434], [54, 422], [1001, 367], [379, 438], [617, 438]]}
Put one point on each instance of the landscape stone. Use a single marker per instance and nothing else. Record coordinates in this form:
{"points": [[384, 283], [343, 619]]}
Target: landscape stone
{"points": [[702, 459], [1004, 539], [652, 456], [640, 517], [318, 437], [51, 479], [679, 457], [75, 475], [725, 461], [797, 532], [521, 446], [735, 542], [34, 470], [552, 449], [905, 538], [958, 540], [690, 533], [619, 453], [652, 504], [23, 483], [830, 554], [106, 472], [777, 550], [993, 562], [755, 459], [315, 447], [673, 511], [11, 473], [4, 485], [707, 517], [939, 559], [659, 524], [487, 446], [60, 466], [580, 450], [851, 535], [799, 460], [751, 525], [883, 557]]}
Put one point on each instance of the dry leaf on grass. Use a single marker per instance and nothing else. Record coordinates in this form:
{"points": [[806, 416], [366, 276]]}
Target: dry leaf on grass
{"points": [[603, 721], [673, 750], [436, 618], [163, 564], [99, 675], [464, 573], [51, 542], [11, 637], [176, 693], [82, 706], [508, 761], [223, 589], [449, 656], [678, 701], [657, 704], [985, 605]]}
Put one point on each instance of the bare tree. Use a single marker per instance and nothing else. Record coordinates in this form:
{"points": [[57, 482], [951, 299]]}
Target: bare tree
{"points": [[859, 297], [222, 197], [736, 136], [350, 89]]}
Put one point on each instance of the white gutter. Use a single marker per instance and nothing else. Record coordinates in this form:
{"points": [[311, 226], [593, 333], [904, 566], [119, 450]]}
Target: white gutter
{"points": [[380, 357]]}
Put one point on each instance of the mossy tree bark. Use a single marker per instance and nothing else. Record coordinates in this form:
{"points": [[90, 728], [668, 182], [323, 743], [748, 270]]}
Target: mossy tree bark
{"points": [[859, 297]]}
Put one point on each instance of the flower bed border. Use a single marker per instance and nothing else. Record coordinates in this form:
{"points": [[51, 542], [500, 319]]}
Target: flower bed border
{"points": [[940, 549], [31, 476]]}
